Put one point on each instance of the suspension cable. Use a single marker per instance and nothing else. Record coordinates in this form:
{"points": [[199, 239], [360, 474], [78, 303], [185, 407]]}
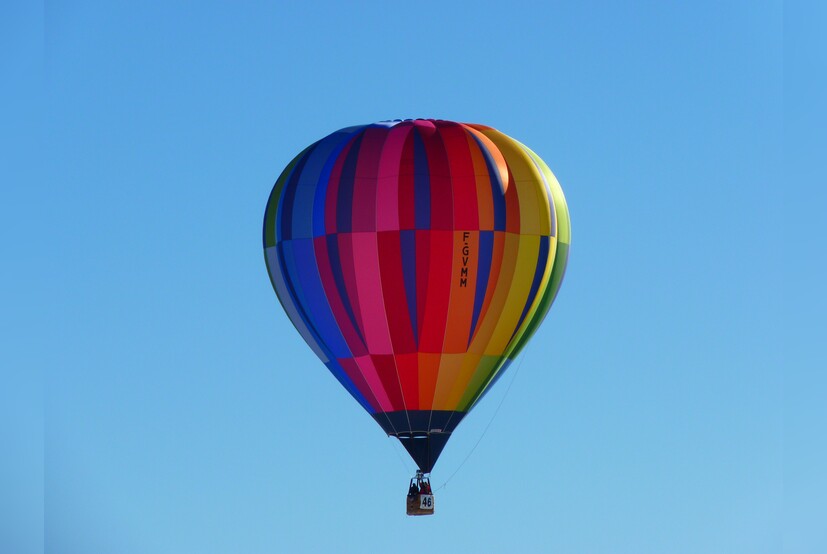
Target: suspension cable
{"points": [[484, 431], [398, 455]]}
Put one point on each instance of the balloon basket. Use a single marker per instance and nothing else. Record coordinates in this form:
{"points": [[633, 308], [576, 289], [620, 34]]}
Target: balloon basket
{"points": [[420, 505], [420, 499]]}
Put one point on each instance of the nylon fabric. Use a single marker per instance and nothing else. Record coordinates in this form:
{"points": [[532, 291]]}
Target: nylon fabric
{"points": [[416, 258]]}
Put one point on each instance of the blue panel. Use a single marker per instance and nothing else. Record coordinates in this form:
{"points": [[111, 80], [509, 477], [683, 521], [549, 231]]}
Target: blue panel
{"points": [[407, 239], [344, 203], [483, 273], [315, 300], [542, 260], [289, 271], [288, 300], [302, 212], [497, 188], [343, 137], [302, 222], [422, 185], [284, 221], [339, 373], [339, 279]]}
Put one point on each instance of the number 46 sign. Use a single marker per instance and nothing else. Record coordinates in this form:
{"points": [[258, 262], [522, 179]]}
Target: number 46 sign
{"points": [[426, 501]]}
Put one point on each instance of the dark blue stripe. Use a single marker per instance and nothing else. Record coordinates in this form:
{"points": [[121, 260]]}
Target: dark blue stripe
{"points": [[535, 284], [344, 205], [407, 241], [422, 185], [344, 136], [285, 213], [483, 273], [287, 263], [338, 371], [339, 279], [497, 188], [315, 298], [500, 373]]}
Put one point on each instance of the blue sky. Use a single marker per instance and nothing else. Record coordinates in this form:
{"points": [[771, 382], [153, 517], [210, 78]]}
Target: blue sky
{"points": [[157, 400]]}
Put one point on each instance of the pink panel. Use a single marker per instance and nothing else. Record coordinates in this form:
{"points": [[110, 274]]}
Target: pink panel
{"points": [[348, 263], [368, 371], [387, 193], [332, 193], [369, 285], [364, 184], [426, 127], [353, 372], [337, 306]]}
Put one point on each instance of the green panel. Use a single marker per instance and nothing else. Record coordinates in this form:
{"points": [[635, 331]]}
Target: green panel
{"points": [[561, 257], [487, 369], [272, 211]]}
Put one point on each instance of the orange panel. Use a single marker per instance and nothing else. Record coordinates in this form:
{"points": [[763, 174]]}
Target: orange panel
{"points": [[463, 289], [428, 373]]}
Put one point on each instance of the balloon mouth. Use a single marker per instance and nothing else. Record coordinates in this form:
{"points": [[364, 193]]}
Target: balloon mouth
{"points": [[424, 449], [423, 433]]}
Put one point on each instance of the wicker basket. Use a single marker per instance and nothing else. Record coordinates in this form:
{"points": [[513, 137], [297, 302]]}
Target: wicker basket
{"points": [[420, 505]]}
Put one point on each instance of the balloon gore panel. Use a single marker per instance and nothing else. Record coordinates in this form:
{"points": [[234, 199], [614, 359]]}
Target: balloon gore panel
{"points": [[416, 258]]}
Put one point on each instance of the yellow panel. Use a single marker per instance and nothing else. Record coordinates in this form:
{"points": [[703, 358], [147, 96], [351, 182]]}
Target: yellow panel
{"points": [[495, 308], [496, 155], [537, 298], [470, 364], [560, 206], [450, 368], [535, 211], [487, 367], [528, 250]]}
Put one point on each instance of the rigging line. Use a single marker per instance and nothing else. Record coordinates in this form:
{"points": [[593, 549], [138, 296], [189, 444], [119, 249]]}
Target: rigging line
{"points": [[484, 431], [381, 292], [396, 450], [451, 278]]}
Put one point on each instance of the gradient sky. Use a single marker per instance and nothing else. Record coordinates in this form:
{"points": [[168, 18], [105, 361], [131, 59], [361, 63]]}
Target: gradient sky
{"points": [[156, 400]]}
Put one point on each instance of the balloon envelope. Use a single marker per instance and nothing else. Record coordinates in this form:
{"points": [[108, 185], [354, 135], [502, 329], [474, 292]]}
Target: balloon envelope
{"points": [[416, 258]]}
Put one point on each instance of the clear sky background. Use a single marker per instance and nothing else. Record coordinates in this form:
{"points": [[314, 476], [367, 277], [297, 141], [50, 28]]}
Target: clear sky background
{"points": [[156, 400]]}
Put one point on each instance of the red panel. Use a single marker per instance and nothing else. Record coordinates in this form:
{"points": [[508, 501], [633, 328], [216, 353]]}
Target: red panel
{"points": [[464, 185], [428, 374], [352, 370], [407, 366], [423, 255], [406, 186], [432, 335], [357, 347], [349, 276], [364, 185], [386, 369], [442, 197], [393, 289]]}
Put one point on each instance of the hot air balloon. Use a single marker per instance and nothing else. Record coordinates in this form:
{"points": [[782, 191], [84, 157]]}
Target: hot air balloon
{"points": [[416, 258]]}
